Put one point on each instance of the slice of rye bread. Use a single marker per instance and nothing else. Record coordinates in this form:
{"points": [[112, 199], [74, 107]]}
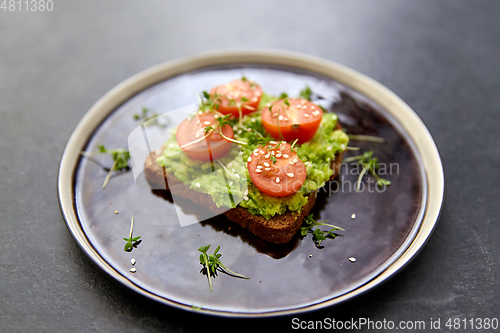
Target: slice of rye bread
{"points": [[278, 229]]}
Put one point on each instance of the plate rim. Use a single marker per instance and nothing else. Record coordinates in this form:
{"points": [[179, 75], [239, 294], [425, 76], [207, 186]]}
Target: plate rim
{"points": [[362, 84]]}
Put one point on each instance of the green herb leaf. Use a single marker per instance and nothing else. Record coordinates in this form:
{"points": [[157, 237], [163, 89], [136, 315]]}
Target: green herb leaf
{"points": [[318, 234], [306, 93], [273, 158], [283, 95]]}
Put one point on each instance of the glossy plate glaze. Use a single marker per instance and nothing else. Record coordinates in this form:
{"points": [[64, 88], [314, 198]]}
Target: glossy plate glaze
{"points": [[389, 229]]}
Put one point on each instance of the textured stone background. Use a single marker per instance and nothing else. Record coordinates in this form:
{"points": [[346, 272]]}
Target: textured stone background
{"points": [[441, 57]]}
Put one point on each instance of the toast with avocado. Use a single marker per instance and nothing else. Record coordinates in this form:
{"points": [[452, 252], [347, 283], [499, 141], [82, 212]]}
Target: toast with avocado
{"points": [[289, 148]]}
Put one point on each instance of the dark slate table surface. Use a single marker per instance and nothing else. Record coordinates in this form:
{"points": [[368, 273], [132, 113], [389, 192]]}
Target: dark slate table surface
{"points": [[441, 57]]}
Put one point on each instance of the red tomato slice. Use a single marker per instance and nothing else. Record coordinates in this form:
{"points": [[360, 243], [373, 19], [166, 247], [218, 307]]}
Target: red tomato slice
{"points": [[279, 179], [212, 147], [228, 96], [299, 121]]}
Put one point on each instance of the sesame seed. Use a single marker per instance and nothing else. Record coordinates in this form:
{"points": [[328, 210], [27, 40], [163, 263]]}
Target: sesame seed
{"points": [[267, 156], [198, 122], [266, 164], [255, 99], [133, 270], [262, 152], [259, 166], [278, 155], [230, 165], [277, 179], [256, 150], [352, 259], [295, 160], [246, 192], [132, 261], [258, 170], [286, 119], [116, 212], [246, 198], [275, 115], [272, 152], [198, 185], [291, 162], [249, 129], [236, 175], [329, 148], [268, 104], [304, 106], [267, 169], [200, 113], [313, 107], [256, 154], [230, 183], [240, 131], [342, 146], [206, 123], [253, 120], [249, 159], [197, 135], [353, 216], [285, 156], [280, 118], [290, 174], [307, 115], [273, 142]]}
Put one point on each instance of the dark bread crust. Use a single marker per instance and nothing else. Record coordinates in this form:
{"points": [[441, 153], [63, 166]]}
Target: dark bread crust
{"points": [[279, 229]]}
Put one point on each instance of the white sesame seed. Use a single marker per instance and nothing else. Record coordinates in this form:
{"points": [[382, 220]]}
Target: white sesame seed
{"points": [[230, 183], [272, 152], [275, 115], [246, 192], [230, 165], [197, 135], [246, 198], [290, 174], [256, 154], [255, 99], [306, 115], [329, 148], [249, 159], [285, 156], [258, 170], [235, 128], [280, 118], [286, 119], [268, 104], [267, 169], [259, 166], [200, 113], [273, 142], [262, 152], [295, 160], [283, 141], [353, 216], [198, 185], [249, 129], [132, 261], [253, 120], [198, 122], [236, 175], [240, 131], [278, 155], [313, 107], [291, 162], [266, 164], [206, 123], [133, 270], [277, 179], [256, 150], [342, 146], [304, 106], [267, 156]]}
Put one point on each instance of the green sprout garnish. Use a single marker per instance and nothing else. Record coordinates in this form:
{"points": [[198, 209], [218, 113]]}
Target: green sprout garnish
{"points": [[121, 158], [211, 264], [273, 158], [318, 234], [306, 93], [148, 114], [131, 241], [370, 164]]}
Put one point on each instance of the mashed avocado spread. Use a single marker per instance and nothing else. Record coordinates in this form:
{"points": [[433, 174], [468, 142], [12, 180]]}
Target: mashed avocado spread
{"points": [[317, 155]]}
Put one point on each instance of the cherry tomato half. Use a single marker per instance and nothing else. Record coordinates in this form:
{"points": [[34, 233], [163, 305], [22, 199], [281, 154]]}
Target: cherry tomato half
{"points": [[298, 120], [190, 135], [277, 176], [237, 92]]}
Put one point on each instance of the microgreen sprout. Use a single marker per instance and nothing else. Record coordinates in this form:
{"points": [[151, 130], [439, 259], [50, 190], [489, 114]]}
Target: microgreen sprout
{"points": [[121, 158], [370, 164], [318, 234], [369, 138], [132, 242], [293, 145], [306, 93], [273, 158], [148, 114], [211, 264]]}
